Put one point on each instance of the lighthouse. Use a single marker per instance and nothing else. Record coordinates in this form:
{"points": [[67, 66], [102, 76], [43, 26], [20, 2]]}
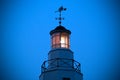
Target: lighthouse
{"points": [[60, 64]]}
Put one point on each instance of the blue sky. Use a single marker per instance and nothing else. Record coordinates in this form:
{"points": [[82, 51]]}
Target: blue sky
{"points": [[26, 39]]}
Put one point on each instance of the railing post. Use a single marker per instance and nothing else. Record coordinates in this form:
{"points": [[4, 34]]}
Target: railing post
{"points": [[57, 62], [72, 63]]}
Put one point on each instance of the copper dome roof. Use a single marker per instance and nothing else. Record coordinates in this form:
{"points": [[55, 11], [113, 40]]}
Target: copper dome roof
{"points": [[60, 29]]}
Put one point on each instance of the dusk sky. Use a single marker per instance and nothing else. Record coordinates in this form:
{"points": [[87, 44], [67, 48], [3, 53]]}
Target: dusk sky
{"points": [[26, 41]]}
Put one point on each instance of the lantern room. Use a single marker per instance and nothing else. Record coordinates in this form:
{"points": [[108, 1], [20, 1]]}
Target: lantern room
{"points": [[60, 37]]}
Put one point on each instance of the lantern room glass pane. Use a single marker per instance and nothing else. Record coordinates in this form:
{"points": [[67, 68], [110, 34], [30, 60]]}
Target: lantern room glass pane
{"points": [[53, 40], [56, 40], [65, 40]]}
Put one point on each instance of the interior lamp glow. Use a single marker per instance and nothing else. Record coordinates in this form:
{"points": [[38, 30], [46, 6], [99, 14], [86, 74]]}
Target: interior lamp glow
{"points": [[62, 40]]}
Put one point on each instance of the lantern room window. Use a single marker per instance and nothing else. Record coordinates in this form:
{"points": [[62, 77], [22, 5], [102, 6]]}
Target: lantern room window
{"points": [[60, 40]]}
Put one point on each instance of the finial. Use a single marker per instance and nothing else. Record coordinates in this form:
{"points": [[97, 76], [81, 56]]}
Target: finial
{"points": [[60, 18]]}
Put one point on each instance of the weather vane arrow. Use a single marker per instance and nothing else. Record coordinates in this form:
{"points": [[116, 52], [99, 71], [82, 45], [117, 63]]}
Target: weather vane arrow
{"points": [[60, 10]]}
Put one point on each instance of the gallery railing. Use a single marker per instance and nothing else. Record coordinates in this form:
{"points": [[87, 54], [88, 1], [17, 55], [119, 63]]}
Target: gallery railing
{"points": [[61, 63]]}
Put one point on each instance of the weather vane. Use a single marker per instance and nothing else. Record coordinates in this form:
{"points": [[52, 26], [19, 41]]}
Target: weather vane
{"points": [[60, 10]]}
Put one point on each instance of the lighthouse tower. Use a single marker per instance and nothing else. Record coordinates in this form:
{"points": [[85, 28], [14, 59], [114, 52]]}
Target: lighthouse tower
{"points": [[60, 64]]}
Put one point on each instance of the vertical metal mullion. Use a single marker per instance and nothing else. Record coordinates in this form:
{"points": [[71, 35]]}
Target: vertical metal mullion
{"points": [[60, 39]]}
